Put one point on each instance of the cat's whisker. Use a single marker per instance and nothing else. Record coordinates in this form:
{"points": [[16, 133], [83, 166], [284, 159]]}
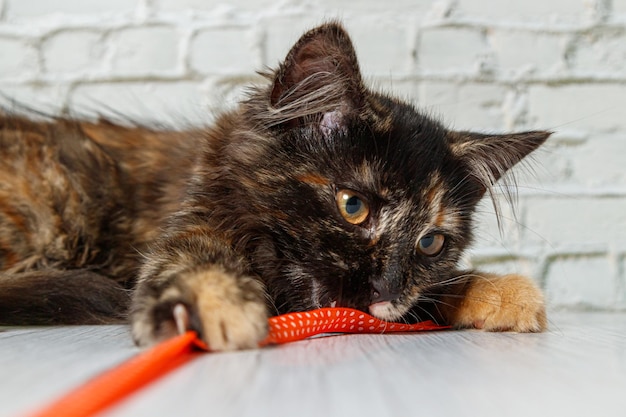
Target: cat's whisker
{"points": [[436, 301], [417, 318], [456, 279], [524, 227], [269, 301], [480, 299]]}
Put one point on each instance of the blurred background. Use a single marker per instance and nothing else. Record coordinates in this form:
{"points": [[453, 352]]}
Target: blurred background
{"points": [[485, 65]]}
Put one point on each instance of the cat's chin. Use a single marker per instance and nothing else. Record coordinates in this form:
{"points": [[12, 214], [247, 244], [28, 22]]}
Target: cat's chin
{"points": [[385, 310]]}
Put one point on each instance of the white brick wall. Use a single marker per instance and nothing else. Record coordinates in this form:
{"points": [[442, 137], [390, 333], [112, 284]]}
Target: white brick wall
{"points": [[483, 64], [144, 51], [26, 9]]}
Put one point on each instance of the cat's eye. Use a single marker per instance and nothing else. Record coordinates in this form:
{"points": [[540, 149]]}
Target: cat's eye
{"points": [[431, 244], [352, 206]]}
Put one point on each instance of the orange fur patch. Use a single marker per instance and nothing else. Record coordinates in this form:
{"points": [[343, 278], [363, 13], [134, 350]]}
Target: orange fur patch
{"points": [[500, 303], [432, 193], [441, 217]]}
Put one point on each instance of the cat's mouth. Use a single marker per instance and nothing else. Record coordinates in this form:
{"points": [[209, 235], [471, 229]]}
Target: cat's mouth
{"points": [[384, 310]]}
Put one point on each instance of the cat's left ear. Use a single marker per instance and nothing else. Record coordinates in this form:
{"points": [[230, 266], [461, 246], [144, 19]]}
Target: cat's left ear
{"points": [[319, 81], [488, 157]]}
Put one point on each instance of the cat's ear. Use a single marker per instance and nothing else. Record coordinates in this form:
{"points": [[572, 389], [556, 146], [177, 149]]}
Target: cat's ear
{"points": [[488, 157], [319, 81]]}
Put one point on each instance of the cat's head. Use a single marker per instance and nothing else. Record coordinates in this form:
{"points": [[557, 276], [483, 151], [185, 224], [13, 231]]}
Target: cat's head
{"points": [[360, 200]]}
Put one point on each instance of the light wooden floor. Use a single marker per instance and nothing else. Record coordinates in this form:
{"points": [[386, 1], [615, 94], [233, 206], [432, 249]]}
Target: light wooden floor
{"points": [[578, 368]]}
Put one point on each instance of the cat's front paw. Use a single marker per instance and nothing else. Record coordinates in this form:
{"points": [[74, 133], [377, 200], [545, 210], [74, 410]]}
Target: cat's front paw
{"points": [[228, 312], [232, 311], [501, 303]]}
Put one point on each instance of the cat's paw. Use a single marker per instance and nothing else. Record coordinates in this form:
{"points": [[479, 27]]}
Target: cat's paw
{"points": [[232, 311], [228, 312], [501, 303]]}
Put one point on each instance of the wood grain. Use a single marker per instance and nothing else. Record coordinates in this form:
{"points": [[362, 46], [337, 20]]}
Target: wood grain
{"points": [[577, 368]]}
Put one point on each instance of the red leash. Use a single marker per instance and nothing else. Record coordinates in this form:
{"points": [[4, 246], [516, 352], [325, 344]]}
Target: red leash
{"points": [[120, 382]]}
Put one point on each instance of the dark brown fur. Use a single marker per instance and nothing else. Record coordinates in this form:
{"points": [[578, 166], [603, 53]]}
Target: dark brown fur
{"points": [[240, 221]]}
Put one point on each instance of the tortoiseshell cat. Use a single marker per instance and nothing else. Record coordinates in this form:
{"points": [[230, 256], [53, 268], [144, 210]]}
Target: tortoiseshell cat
{"points": [[315, 192]]}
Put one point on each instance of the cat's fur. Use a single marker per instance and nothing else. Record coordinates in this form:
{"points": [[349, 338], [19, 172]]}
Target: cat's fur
{"points": [[241, 221]]}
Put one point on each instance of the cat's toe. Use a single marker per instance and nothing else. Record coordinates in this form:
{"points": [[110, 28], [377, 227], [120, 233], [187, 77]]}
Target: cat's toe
{"points": [[234, 326], [507, 303], [232, 312]]}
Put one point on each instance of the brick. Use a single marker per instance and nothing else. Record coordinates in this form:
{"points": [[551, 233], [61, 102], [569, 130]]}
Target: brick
{"points": [[144, 50], [591, 165], [521, 11], [600, 54], [575, 223], [176, 103], [225, 93], [468, 106], [36, 8], [585, 281], [491, 237], [19, 58], [325, 8], [618, 7], [590, 106], [225, 51], [405, 7], [479, 107], [504, 266], [383, 49], [48, 99], [522, 52], [404, 89], [621, 290], [73, 50], [440, 99], [280, 35], [212, 5], [546, 168], [451, 50]]}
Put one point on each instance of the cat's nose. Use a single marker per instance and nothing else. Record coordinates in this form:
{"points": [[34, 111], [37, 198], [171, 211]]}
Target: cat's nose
{"points": [[382, 292]]}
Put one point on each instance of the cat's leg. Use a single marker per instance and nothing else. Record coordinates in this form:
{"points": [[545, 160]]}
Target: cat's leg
{"points": [[193, 281], [491, 302]]}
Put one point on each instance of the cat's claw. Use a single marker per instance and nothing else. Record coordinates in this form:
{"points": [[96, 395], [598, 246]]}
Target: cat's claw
{"points": [[181, 318]]}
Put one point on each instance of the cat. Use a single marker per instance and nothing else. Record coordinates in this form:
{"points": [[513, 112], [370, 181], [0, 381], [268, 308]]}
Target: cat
{"points": [[314, 192]]}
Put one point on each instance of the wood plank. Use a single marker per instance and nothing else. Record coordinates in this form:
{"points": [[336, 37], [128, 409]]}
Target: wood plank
{"points": [[40, 363], [577, 369]]}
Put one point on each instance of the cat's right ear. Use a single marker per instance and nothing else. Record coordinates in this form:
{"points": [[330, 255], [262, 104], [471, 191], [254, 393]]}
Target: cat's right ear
{"points": [[319, 81], [489, 156]]}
